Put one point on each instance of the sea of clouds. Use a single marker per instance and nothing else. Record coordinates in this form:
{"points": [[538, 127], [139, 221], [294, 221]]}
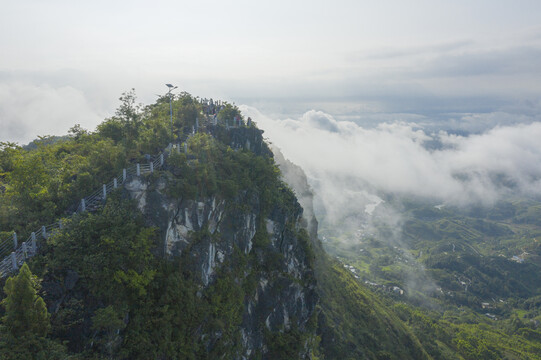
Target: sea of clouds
{"points": [[30, 110], [360, 173], [349, 165]]}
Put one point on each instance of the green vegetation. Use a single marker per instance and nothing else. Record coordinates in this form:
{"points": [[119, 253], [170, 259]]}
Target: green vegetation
{"points": [[25, 310], [110, 291], [467, 335], [471, 276], [111, 294], [25, 323], [354, 324], [42, 182]]}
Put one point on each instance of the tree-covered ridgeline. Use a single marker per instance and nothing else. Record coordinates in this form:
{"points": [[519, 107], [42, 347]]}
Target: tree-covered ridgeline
{"points": [[102, 289], [44, 180], [109, 292]]}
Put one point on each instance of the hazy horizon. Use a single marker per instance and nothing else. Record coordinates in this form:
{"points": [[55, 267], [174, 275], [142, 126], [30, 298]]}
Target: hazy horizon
{"points": [[457, 65], [419, 98]]}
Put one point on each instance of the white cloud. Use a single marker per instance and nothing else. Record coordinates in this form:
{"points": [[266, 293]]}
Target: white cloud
{"points": [[28, 110], [343, 159], [320, 120]]}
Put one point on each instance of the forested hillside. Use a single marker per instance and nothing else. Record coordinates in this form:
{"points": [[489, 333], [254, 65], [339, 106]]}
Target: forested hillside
{"points": [[203, 258], [208, 256], [466, 279]]}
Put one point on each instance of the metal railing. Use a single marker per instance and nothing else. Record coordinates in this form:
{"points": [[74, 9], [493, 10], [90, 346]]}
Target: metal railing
{"points": [[21, 252]]}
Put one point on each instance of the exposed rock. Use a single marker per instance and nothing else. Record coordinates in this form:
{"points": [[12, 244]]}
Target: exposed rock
{"points": [[209, 230], [295, 177]]}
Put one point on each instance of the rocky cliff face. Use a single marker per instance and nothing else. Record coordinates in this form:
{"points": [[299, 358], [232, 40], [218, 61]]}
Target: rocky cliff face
{"points": [[209, 232], [295, 177]]}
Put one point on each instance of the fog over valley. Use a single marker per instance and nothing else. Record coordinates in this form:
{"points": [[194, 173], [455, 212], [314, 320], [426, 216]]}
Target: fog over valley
{"points": [[342, 158]]}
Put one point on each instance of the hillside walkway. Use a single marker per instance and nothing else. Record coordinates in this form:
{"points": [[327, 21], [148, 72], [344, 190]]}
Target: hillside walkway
{"points": [[21, 251], [28, 248]]}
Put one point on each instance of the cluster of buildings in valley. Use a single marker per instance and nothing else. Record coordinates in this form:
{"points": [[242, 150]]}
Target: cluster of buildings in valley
{"points": [[519, 258], [393, 289]]}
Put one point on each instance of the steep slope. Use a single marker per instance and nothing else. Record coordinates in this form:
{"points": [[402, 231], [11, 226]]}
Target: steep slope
{"points": [[233, 276], [209, 257], [353, 323], [204, 258], [251, 236]]}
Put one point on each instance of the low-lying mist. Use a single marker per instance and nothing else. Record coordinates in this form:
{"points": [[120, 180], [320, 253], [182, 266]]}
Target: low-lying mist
{"points": [[344, 160], [359, 174]]}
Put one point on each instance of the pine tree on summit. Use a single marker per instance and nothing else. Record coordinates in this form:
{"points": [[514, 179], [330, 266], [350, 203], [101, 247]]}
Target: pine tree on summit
{"points": [[26, 313]]}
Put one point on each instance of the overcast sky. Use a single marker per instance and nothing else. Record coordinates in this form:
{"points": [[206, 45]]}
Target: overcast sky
{"points": [[65, 62]]}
